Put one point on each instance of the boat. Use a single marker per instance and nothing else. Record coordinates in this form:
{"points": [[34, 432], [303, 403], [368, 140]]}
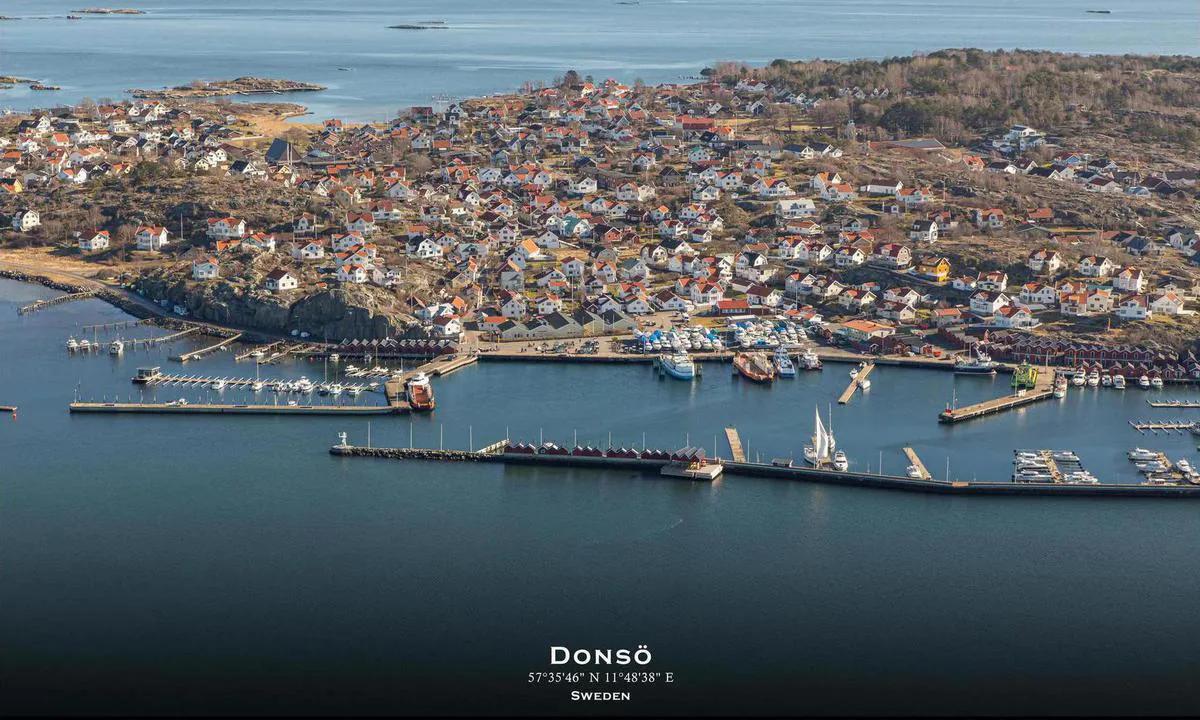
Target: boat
{"points": [[840, 463], [1141, 454], [334, 357], [1144, 382], [1185, 466], [72, 344], [783, 364], [1025, 455], [335, 389], [258, 354], [678, 365], [116, 347], [354, 390], [1060, 387], [1078, 379], [980, 363], [177, 403], [913, 471], [74, 17], [1156, 382], [257, 386], [1031, 475], [303, 385], [420, 392], [84, 345], [1081, 477], [823, 450], [218, 385], [1106, 380], [1118, 382], [1065, 455], [865, 384], [754, 366], [1093, 379]]}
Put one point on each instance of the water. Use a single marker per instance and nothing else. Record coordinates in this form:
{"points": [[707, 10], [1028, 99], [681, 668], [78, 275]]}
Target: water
{"points": [[495, 47], [153, 564]]}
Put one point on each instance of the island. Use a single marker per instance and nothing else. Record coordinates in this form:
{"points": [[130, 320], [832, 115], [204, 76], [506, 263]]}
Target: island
{"points": [[424, 26], [110, 11], [237, 86]]}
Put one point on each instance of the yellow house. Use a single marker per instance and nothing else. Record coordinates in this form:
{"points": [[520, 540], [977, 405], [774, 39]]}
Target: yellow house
{"points": [[934, 268], [11, 187]]}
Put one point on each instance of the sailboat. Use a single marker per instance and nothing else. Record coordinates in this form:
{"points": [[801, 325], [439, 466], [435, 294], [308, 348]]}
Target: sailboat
{"points": [[823, 450]]}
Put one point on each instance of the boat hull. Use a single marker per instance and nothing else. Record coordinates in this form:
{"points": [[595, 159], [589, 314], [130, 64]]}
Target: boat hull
{"points": [[677, 373], [749, 369]]}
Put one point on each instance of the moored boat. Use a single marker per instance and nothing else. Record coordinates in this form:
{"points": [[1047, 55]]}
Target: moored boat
{"points": [[116, 347], [1106, 380], [1141, 455], [72, 344], [1093, 379], [979, 363], [678, 365], [1144, 382], [1078, 379], [1156, 382], [783, 364], [1060, 387], [754, 366], [420, 392], [1118, 382], [810, 360]]}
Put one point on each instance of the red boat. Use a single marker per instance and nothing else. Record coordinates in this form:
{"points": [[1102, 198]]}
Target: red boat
{"points": [[754, 366], [420, 393]]}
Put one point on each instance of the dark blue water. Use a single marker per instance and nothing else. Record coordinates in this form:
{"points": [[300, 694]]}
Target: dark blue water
{"points": [[495, 47], [207, 564]]}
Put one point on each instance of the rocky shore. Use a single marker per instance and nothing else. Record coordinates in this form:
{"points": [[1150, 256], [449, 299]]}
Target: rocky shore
{"points": [[219, 88]]}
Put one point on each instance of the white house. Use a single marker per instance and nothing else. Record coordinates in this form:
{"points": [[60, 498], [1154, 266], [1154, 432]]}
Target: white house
{"points": [[25, 220], [795, 208], [151, 237], [1134, 307], [352, 273], [206, 269], [280, 280], [92, 242], [1095, 266], [310, 251], [1130, 279], [986, 302], [225, 228]]}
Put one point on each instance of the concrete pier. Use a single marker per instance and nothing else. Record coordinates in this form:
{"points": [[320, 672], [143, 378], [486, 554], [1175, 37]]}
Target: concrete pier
{"points": [[915, 461], [735, 444], [197, 354], [855, 382], [1042, 391]]}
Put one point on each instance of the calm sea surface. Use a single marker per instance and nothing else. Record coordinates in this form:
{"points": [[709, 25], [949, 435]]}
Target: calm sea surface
{"points": [[493, 47], [200, 564]]}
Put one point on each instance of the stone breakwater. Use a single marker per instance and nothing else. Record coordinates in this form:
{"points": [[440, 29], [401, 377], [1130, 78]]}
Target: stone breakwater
{"points": [[411, 454]]}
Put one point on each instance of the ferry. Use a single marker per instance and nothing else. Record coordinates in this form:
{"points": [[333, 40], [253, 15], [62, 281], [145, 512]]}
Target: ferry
{"points": [[1144, 382], [420, 392], [810, 361], [980, 364], [1141, 455], [783, 364], [116, 347], [754, 366], [1118, 382], [1060, 387], [678, 365], [1156, 382]]}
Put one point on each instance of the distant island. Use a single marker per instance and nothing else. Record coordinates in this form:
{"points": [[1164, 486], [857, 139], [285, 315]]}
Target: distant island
{"points": [[431, 25], [110, 11], [237, 86]]}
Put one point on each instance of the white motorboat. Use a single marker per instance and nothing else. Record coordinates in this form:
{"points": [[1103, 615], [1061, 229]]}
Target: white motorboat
{"points": [[1081, 477], [335, 389], [72, 344], [1060, 387], [1106, 380], [1118, 382], [1065, 455], [1144, 382], [810, 360], [1156, 382], [85, 345], [257, 386], [783, 363], [678, 365], [1031, 475], [218, 385], [840, 463], [1185, 466], [116, 347], [304, 385], [1093, 379], [1141, 454], [1078, 379], [334, 357], [913, 471]]}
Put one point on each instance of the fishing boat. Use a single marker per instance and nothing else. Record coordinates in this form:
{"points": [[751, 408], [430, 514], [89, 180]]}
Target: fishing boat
{"points": [[783, 364], [678, 365], [1156, 382], [1060, 387], [116, 347], [420, 392], [810, 360], [72, 344], [1118, 382], [1141, 455], [979, 363], [754, 366], [1144, 382]]}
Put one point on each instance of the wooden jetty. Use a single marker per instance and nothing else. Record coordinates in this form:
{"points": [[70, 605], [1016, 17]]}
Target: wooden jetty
{"points": [[735, 444], [283, 352], [121, 325], [440, 366], [855, 382], [264, 349], [50, 302], [1167, 426], [916, 462], [1048, 458], [1041, 391], [151, 342], [200, 408], [1183, 404], [150, 376], [197, 354]]}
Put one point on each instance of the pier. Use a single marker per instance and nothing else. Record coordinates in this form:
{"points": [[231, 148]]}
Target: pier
{"points": [[735, 444], [916, 462], [1042, 390], [197, 354], [855, 382], [152, 376], [151, 342], [284, 352], [121, 325], [8, 409], [265, 350], [50, 302], [204, 408], [1174, 403], [1166, 426]]}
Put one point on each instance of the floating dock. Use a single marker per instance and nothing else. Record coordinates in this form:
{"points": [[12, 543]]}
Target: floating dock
{"points": [[197, 354], [9, 409], [1166, 426], [1174, 403], [916, 462], [1043, 390], [176, 409], [735, 444], [121, 325], [855, 382], [151, 342], [148, 377], [264, 349], [50, 302]]}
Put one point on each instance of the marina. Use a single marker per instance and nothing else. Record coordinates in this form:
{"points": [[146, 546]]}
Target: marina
{"points": [[1155, 426], [154, 376]]}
